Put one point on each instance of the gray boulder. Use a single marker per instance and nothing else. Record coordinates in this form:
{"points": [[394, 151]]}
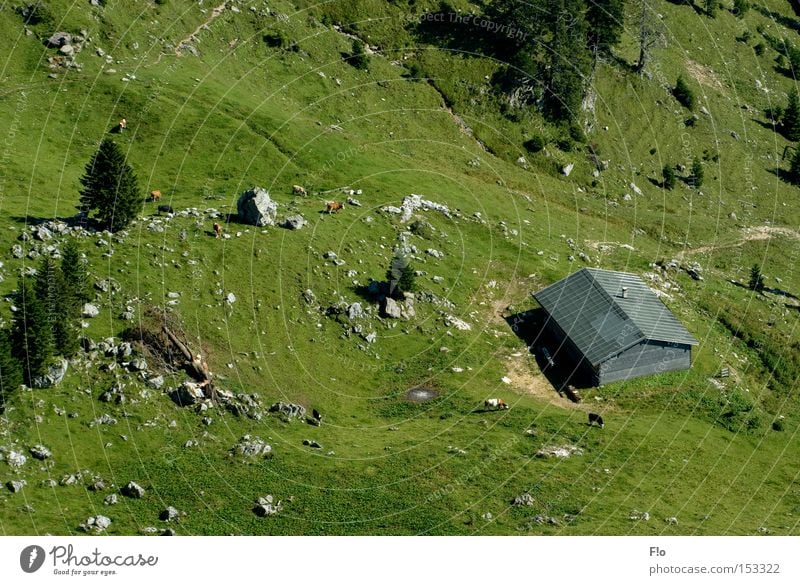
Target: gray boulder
{"points": [[58, 39], [294, 222], [54, 375], [251, 446], [96, 524], [355, 311], [156, 381], [288, 410], [265, 506], [169, 514], [392, 309], [187, 394], [256, 208], [90, 311], [40, 452], [16, 485], [133, 490]]}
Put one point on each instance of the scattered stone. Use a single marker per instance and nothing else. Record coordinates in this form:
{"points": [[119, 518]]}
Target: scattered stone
{"points": [[294, 222], [672, 521], [169, 514], [353, 202], [251, 446], [155, 382], [288, 410], [55, 374], [16, 485], [40, 452], [98, 485], [309, 296], [635, 189], [105, 419], [58, 40], [265, 506], [435, 253], [168, 532], [559, 451], [114, 394], [187, 394], [567, 169], [524, 500], [391, 308], [137, 365], [16, 251], [110, 500], [256, 208], [132, 490], [460, 324], [96, 524], [89, 311], [355, 311], [68, 480], [636, 515], [311, 443]]}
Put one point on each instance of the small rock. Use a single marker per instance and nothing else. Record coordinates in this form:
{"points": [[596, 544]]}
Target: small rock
{"points": [[16, 485], [110, 499], [169, 514], [89, 311], [40, 452], [133, 490]]}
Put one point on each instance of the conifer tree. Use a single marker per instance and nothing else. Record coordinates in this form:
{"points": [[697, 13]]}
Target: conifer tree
{"points": [[110, 188], [10, 368], [75, 277], [606, 21], [791, 117], [31, 334]]}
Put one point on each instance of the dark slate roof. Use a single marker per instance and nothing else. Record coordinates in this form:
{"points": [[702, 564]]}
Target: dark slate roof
{"points": [[588, 306]]}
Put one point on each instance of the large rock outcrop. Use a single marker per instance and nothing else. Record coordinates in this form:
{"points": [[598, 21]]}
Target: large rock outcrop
{"points": [[256, 208]]}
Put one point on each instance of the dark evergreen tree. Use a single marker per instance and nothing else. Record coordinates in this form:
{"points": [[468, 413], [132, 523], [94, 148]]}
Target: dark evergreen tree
{"points": [[400, 276], [110, 188], [683, 93], [740, 7], [569, 62], [606, 21], [790, 122], [31, 335], [711, 7], [52, 292], [669, 177], [358, 56], [794, 167], [10, 368], [76, 279], [756, 278], [696, 178]]}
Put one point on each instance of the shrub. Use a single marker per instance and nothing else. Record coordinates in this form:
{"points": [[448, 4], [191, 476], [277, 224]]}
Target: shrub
{"points": [[740, 7], [276, 39], [535, 144], [777, 425], [358, 56], [683, 93], [36, 13], [669, 177], [760, 49], [696, 178]]}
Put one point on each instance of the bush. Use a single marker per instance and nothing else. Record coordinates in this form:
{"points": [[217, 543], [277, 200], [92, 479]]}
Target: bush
{"points": [[777, 425], [535, 144], [276, 39], [565, 144], [416, 72], [37, 13], [358, 56], [576, 133], [760, 49], [696, 178], [683, 93], [669, 177], [740, 7]]}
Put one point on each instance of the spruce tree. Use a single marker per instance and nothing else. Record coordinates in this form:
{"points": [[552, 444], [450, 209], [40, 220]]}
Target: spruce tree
{"points": [[683, 93], [400, 276], [10, 368], [711, 7], [794, 168], [359, 57], [569, 62], [52, 292], [756, 278], [791, 117], [696, 178], [110, 188], [740, 7], [76, 278], [31, 335], [606, 21]]}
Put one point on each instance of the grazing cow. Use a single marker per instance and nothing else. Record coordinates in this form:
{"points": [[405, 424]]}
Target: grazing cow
{"points": [[332, 206], [217, 230], [299, 190], [495, 404], [596, 419], [123, 124], [155, 195], [165, 209]]}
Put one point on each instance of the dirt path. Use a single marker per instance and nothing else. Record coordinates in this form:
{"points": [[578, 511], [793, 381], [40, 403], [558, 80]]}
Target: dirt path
{"points": [[749, 234], [214, 14]]}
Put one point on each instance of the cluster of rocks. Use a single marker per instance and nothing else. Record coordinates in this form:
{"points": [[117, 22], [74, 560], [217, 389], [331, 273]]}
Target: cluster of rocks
{"points": [[55, 374], [132, 490], [524, 499], [288, 411], [249, 446], [266, 506], [637, 515], [559, 451], [412, 203], [96, 524]]}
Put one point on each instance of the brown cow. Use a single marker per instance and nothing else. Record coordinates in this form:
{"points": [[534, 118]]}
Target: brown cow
{"points": [[332, 206], [217, 230], [495, 404], [155, 195]]}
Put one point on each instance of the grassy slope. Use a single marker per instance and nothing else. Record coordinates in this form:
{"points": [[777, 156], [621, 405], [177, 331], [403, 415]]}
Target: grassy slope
{"points": [[260, 116]]}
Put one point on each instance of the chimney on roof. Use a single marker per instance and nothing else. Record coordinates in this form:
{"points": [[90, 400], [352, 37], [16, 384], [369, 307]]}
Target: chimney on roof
{"points": [[624, 292]]}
